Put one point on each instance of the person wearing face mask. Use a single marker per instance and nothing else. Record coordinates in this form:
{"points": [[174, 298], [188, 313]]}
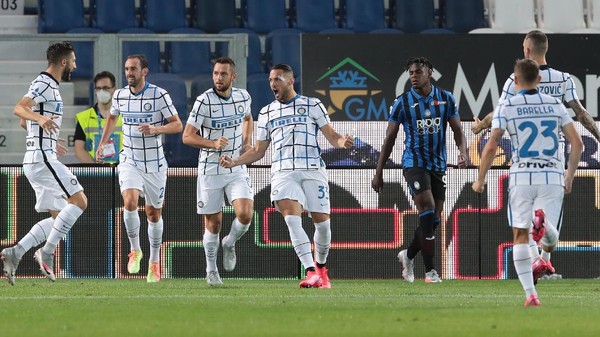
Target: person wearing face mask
{"points": [[90, 123]]}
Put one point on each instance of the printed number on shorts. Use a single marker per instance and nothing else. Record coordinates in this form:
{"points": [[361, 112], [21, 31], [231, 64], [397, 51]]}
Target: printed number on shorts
{"points": [[323, 191], [549, 131]]}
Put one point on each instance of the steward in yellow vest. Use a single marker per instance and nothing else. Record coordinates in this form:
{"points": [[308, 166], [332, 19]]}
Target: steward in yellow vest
{"points": [[91, 123]]}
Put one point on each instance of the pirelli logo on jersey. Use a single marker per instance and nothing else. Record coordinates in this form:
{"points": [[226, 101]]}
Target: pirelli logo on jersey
{"points": [[137, 118], [288, 120], [227, 122]]}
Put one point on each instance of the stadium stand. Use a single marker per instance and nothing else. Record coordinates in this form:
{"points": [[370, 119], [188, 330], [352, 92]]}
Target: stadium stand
{"points": [[59, 16], [111, 16], [337, 31], [260, 91], [283, 46], [512, 16], [362, 16], [562, 16], [386, 31], [204, 17], [150, 49], [313, 15], [198, 85], [162, 16], [462, 16], [413, 16], [263, 16], [254, 60], [437, 31], [85, 53], [187, 59]]}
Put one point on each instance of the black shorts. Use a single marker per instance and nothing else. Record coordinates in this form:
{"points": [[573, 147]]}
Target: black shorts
{"points": [[420, 180]]}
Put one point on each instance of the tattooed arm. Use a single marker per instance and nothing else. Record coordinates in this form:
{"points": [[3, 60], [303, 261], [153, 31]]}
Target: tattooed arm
{"points": [[585, 118]]}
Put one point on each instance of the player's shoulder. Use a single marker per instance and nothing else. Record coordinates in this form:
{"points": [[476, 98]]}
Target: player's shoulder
{"points": [[240, 92]]}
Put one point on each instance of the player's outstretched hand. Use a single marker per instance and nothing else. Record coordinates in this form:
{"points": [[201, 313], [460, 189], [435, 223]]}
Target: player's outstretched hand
{"points": [[48, 124], [61, 150], [348, 141], [476, 126], [377, 183]]}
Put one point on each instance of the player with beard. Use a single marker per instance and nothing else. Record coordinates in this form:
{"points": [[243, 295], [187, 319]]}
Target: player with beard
{"points": [[142, 165], [57, 189], [220, 123]]}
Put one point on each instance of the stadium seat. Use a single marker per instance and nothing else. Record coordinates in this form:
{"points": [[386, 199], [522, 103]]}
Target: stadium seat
{"points": [[213, 16], [200, 84], [562, 16], [337, 31], [188, 59], [363, 16], [59, 16], [313, 15], [513, 16], [112, 16], [437, 31], [150, 49], [283, 46], [177, 153], [386, 31], [84, 51], [263, 16], [413, 16], [254, 59], [462, 16], [593, 17], [162, 16], [260, 91]]}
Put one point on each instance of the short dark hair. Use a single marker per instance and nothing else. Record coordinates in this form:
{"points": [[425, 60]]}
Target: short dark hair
{"points": [[527, 70], [224, 60], [142, 58], [539, 42], [418, 60], [105, 74], [285, 67], [58, 52]]}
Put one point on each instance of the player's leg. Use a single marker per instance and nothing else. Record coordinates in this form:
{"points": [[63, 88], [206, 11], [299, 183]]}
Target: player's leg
{"points": [[154, 195], [210, 200], [520, 203], [550, 200], [289, 199], [239, 190], [131, 184], [62, 181], [318, 204]]}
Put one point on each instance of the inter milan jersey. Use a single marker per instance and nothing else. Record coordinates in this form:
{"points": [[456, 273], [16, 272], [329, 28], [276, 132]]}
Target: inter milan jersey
{"points": [[292, 128], [150, 106], [41, 146], [216, 116], [425, 120], [553, 82], [534, 122]]}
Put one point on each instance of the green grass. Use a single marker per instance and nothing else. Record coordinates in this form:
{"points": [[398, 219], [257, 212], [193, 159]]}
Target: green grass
{"points": [[86, 307]]}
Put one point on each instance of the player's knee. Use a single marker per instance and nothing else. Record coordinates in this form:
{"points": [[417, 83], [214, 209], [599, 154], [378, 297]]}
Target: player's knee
{"points": [[79, 200], [245, 218]]}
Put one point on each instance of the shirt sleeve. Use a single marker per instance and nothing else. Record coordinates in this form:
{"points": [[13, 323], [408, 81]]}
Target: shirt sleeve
{"points": [[263, 130], [167, 108], [396, 114], [508, 90], [570, 89], [196, 117], [79, 134], [499, 119], [36, 91], [318, 112]]}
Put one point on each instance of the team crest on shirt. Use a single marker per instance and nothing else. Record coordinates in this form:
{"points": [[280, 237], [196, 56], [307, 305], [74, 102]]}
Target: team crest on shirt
{"points": [[73, 181], [301, 111], [427, 113], [147, 106], [240, 108], [200, 204]]}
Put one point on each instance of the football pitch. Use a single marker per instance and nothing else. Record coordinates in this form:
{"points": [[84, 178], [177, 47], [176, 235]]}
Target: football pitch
{"points": [[188, 307]]}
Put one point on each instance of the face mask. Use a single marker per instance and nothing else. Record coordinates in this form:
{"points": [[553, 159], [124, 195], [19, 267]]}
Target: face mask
{"points": [[103, 96]]}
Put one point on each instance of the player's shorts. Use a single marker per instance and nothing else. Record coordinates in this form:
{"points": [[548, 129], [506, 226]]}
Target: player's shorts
{"points": [[523, 200], [211, 190], [151, 185], [309, 187], [53, 184], [420, 180]]}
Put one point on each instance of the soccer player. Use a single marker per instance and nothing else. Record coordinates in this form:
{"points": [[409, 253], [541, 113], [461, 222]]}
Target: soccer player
{"points": [[57, 190], [555, 83], [299, 179], [142, 166], [537, 179], [425, 111], [223, 118]]}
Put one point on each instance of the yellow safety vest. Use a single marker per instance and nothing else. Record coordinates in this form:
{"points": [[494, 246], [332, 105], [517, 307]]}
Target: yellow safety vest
{"points": [[92, 127]]}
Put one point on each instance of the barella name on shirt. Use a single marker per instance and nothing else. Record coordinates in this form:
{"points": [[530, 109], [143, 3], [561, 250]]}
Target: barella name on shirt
{"points": [[534, 110]]}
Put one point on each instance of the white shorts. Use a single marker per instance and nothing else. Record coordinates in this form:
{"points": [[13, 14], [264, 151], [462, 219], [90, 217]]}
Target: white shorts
{"points": [[211, 190], [523, 200], [309, 187], [53, 184], [151, 185]]}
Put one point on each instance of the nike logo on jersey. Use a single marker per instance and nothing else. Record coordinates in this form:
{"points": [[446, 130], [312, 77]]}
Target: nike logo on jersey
{"points": [[414, 105]]}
